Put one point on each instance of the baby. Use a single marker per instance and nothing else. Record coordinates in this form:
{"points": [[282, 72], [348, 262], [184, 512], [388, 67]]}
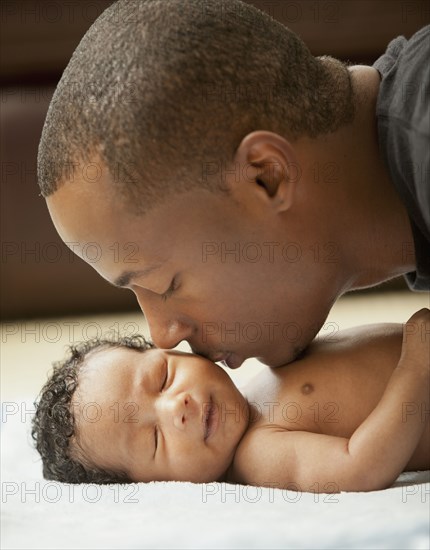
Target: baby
{"points": [[351, 414]]}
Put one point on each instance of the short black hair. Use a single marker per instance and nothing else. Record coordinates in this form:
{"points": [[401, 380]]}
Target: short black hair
{"points": [[53, 425], [164, 91]]}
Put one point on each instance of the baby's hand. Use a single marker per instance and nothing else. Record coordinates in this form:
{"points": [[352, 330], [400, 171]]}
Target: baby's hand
{"points": [[416, 342]]}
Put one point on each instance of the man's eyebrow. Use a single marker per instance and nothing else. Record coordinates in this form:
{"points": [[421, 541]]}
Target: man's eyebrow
{"points": [[125, 278]]}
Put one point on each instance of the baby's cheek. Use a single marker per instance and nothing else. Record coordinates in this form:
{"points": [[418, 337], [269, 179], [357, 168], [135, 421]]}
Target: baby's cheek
{"points": [[195, 463]]}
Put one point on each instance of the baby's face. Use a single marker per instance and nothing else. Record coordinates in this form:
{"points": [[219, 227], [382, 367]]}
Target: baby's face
{"points": [[158, 415]]}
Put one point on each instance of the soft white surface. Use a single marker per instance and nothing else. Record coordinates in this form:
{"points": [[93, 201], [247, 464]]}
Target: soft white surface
{"points": [[42, 514]]}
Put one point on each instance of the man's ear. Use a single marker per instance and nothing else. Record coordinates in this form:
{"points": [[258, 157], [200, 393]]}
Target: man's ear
{"points": [[270, 164]]}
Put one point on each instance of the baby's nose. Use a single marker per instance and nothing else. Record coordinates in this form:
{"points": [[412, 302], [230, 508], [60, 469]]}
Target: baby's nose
{"points": [[179, 409]]}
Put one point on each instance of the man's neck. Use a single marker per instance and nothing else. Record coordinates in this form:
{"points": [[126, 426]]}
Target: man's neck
{"points": [[369, 221]]}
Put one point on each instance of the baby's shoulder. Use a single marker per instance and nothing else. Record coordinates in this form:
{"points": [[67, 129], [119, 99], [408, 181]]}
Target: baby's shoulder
{"points": [[251, 457]]}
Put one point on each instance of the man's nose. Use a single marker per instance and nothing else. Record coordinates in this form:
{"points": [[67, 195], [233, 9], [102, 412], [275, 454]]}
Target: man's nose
{"points": [[167, 329]]}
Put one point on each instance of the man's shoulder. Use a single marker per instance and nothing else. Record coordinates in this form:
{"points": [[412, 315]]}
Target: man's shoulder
{"points": [[402, 61], [403, 114]]}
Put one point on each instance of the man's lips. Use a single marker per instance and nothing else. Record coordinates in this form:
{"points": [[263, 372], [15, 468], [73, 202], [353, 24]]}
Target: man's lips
{"points": [[210, 419], [230, 360]]}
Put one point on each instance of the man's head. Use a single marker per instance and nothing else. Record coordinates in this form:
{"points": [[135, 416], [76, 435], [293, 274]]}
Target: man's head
{"points": [[111, 413], [171, 140]]}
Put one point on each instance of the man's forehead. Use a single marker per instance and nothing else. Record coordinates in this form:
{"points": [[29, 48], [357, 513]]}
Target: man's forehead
{"points": [[100, 231], [73, 203]]}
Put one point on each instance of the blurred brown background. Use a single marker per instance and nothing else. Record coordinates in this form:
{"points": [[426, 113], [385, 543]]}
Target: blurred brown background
{"points": [[39, 276]]}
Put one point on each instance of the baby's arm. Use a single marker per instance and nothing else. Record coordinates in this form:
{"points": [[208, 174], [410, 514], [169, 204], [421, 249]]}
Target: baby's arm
{"points": [[375, 454]]}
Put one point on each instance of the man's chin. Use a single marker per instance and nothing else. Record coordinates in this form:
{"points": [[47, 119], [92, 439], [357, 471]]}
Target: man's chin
{"points": [[234, 360], [295, 355]]}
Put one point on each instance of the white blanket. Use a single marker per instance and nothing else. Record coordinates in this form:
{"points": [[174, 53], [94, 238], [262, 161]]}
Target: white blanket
{"points": [[42, 514]]}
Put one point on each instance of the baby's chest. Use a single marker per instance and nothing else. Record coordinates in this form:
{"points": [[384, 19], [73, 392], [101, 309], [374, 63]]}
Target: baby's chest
{"points": [[306, 404], [305, 409]]}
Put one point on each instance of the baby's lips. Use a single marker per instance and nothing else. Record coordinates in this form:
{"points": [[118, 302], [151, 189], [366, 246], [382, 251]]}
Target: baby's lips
{"points": [[210, 422]]}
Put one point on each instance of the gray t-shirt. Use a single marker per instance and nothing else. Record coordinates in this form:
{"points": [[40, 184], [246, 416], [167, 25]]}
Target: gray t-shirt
{"points": [[403, 113]]}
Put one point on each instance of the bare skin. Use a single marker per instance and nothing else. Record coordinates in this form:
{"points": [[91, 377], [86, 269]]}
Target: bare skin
{"points": [[254, 273], [350, 415]]}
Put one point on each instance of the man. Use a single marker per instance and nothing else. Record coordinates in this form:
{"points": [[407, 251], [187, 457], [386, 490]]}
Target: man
{"points": [[235, 183]]}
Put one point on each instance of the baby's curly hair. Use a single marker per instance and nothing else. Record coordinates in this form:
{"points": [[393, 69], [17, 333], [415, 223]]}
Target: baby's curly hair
{"points": [[53, 425]]}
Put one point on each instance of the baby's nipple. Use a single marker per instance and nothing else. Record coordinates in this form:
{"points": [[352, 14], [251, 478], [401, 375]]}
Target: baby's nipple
{"points": [[307, 388]]}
